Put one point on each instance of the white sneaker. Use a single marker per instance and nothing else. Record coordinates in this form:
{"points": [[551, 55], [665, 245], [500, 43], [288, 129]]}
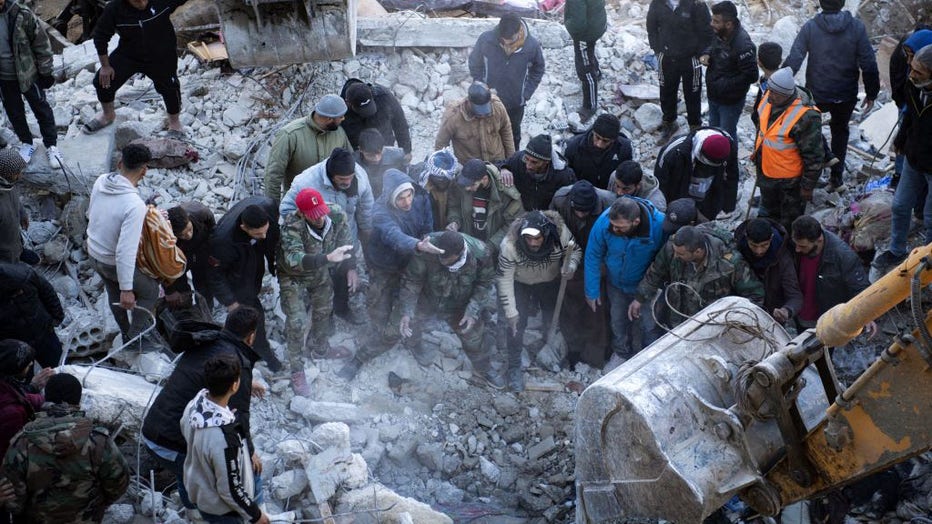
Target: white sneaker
{"points": [[55, 158], [26, 151]]}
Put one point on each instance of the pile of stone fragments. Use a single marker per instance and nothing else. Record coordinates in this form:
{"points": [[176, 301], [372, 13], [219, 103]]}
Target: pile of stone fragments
{"points": [[401, 443]]}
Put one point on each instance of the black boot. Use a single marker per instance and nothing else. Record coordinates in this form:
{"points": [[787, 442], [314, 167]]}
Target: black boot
{"points": [[349, 371], [515, 373]]}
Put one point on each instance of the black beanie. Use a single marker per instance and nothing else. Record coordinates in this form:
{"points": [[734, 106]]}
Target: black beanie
{"points": [[63, 388], [451, 242], [607, 125], [341, 163], [539, 147], [583, 197], [831, 6], [15, 355]]}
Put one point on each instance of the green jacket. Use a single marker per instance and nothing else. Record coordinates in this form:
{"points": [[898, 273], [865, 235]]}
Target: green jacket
{"points": [[585, 20], [298, 146], [468, 290], [32, 52], [504, 207], [302, 252], [725, 273], [63, 469]]}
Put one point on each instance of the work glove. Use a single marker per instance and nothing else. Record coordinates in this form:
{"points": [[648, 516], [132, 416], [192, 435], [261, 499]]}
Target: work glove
{"points": [[45, 81]]}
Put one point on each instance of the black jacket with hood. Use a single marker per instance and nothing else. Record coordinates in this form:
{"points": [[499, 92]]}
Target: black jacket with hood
{"points": [[28, 302], [537, 190], [594, 164], [915, 136], [515, 77], [777, 269], [681, 33], [839, 53], [161, 423], [389, 118], [677, 166], [236, 261]]}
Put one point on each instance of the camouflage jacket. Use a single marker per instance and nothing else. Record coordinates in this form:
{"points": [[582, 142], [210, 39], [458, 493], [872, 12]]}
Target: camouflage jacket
{"points": [[468, 290], [724, 273], [302, 252], [63, 469], [32, 52]]}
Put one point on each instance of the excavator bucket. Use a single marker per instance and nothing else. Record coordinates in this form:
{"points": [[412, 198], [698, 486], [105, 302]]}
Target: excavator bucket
{"points": [[661, 436], [266, 33]]}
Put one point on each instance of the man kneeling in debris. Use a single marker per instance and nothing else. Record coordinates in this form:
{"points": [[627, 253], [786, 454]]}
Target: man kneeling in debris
{"points": [[315, 239], [62, 467], [529, 272], [703, 270], [457, 287], [218, 468], [402, 221], [160, 430], [192, 222]]}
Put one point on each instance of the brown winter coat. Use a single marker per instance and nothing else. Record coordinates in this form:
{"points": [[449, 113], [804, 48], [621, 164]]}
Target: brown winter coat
{"points": [[489, 139]]}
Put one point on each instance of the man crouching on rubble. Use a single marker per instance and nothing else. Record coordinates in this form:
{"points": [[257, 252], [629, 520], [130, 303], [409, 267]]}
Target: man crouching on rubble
{"points": [[456, 286]]}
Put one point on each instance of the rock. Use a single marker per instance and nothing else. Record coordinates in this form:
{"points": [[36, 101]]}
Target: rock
{"points": [[403, 448], [784, 32], [235, 148], [378, 496], [446, 493], [430, 455], [649, 117], [236, 115], [489, 470], [541, 448], [332, 435], [506, 405], [326, 411], [152, 504], [66, 287], [155, 366], [74, 219], [288, 484], [126, 132], [119, 514], [293, 451]]}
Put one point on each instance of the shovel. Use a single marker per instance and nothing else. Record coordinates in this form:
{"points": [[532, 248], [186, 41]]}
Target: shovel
{"points": [[554, 349]]}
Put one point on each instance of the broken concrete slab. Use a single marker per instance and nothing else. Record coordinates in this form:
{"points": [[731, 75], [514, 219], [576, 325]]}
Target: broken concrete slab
{"points": [[326, 411], [640, 91], [113, 397], [876, 128], [79, 57], [288, 484], [542, 448], [366, 503], [445, 32]]}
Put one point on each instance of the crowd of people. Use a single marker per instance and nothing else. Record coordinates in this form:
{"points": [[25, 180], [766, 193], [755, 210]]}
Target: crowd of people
{"points": [[480, 234]]}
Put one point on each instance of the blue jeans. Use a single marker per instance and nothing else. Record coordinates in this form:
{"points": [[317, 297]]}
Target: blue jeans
{"points": [[913, 183], [622, 335], [726, 117]]}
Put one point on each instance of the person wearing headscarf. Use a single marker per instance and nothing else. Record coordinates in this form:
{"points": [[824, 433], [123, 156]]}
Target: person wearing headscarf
{"points": [[20, 397], [436, 175], [529, 272], [13, 217]]}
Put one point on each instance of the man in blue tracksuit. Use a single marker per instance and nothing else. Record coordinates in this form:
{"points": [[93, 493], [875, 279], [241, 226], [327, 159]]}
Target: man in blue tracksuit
{"points": [[839, 53], [625, 239], [511, 61]]}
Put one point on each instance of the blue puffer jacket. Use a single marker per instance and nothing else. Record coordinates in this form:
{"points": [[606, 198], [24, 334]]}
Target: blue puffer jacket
{"points": [[396, 233], [515, 77], [626, 258], [838, 48]]}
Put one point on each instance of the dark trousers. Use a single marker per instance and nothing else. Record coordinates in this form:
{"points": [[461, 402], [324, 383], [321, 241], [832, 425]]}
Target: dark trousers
{"points": [[516, 115], [16, 112], [587, 69], [530, 297], [261, 345], [673, 71], [780, 200], [162, 72], [838, 125]]}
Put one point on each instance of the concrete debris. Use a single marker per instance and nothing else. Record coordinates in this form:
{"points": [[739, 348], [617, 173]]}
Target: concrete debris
{"points": [[376, 503], [325, 411]]}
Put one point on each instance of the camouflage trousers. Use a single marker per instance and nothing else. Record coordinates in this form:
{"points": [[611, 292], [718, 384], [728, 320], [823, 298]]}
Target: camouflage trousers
{"points": [[780, 200], [297, 296], [384, 313]]}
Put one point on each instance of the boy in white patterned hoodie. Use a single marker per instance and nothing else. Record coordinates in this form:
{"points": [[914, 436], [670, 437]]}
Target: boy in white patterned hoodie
{"points": [[217, 470]]}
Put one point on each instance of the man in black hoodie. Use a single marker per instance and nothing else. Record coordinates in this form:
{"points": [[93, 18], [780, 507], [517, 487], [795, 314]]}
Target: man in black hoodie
{"points": [[147, 46], [732, 68], [31, 309], [244, 236], [538, 172], [839, 53], [595, 154], [373, 106], [678, 31], [160, 429], [511, 61]]}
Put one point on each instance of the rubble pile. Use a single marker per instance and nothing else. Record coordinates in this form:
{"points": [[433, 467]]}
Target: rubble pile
{"points": [[401, 443]]}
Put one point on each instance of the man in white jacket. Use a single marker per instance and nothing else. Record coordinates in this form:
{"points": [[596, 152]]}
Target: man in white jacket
{"points": [[115, 218], [218, 471]]}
